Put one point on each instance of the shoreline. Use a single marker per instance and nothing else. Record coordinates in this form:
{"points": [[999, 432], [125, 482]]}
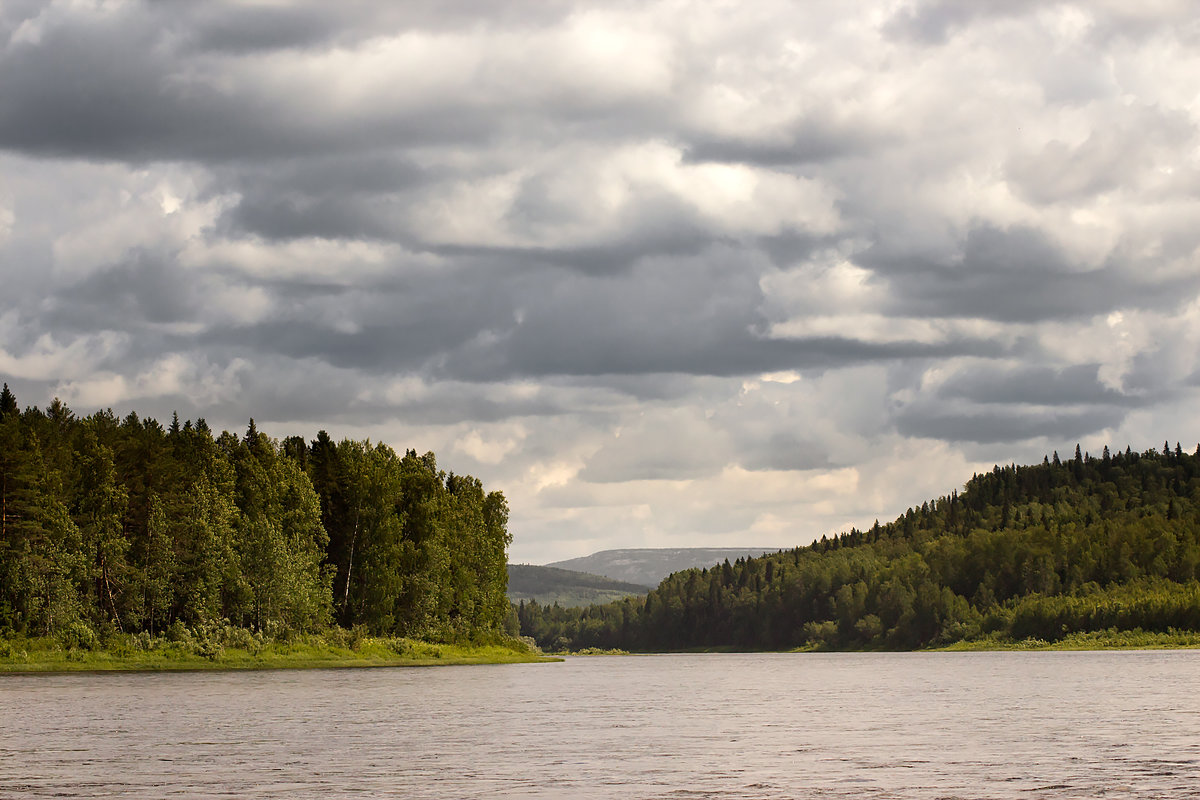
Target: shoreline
{"points": [[1097, 641], [42, 658], [1090, 640]]}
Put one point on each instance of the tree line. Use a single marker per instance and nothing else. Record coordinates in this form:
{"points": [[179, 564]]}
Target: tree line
{"points": [[127, 525], [1046, 550]]}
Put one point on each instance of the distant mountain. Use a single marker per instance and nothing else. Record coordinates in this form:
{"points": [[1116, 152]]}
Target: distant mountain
{"points": [[568, 588], [649, 565]]}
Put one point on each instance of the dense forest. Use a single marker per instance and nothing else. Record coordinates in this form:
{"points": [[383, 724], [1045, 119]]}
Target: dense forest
{"points": [[127, 525], [1024, 552]]}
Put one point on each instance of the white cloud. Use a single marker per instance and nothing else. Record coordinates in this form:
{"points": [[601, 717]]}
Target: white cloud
{"points": [[496, 445], [47, 358], [7, 218], [174, 376]]}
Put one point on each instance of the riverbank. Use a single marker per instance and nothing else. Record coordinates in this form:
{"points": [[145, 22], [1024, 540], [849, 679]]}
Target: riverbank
{"points": [[126, 654], [1089, 640], [1111, 639], [1092, 640]]}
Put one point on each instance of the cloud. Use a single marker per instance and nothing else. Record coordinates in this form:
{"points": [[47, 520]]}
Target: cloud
{"points": [[1020, 275], [1006, 425], [1079, 383], [989, 403], [664, 273], [934, 21]]}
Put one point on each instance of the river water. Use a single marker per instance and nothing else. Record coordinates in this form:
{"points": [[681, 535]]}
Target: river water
{"points": [[880, 725]]}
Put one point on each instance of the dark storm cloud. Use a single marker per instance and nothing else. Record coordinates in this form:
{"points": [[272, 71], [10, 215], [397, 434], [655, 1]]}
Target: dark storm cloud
{"points": [[248, 29], [619, 352], [785, 451], [406, 345], [308, 389], [1018, 275], [456, 404], [793, 247], [986, 404], [679, 239], [1155, 373], [814, 140], [393, 328], [683, 316], [372, 198], [993, 426], [339, 174], [698, 317], [337, 196], [309, 23], [146, 287], [118, 88], [1037, 385], [187, 81], [109, 91], [658, 387], [281, 217]]}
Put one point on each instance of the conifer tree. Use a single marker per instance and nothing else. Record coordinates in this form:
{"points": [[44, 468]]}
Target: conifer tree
{"points": [[99, 507], [8, 403]]}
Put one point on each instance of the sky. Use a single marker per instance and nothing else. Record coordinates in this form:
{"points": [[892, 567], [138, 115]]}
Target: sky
{"points": [[667, 274]]}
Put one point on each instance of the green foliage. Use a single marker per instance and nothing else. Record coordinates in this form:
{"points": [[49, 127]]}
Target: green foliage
{"points": [[225, 647], [114, 528], [1046, 552]]}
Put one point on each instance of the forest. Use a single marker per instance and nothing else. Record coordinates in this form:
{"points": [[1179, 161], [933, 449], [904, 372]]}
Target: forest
{"points": [[1039, 552], [127, 526]]}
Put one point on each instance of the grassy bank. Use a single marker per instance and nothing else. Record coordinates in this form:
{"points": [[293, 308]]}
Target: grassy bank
{"points": [[131, 653], [1111, 639], [1091, 640]]}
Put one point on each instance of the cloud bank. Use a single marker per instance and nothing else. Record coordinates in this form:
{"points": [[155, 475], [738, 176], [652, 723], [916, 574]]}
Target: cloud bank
{"points": [[668, 273]]}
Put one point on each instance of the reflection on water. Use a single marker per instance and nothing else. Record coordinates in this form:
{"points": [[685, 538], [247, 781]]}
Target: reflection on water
{"points": [[921, 725]]}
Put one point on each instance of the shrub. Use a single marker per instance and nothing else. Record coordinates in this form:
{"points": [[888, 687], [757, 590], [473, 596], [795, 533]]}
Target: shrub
{"points": [[78, 635]]}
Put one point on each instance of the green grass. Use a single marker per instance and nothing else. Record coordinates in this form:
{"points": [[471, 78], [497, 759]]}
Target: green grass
{"points": [[132, 653], [1110, 639]]}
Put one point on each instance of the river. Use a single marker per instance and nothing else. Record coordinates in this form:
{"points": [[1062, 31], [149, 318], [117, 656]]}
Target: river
{"points": [[879, 725]]}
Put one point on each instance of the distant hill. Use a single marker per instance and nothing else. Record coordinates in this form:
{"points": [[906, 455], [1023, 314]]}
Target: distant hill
{"points": [[649, 565], [568, 588]]}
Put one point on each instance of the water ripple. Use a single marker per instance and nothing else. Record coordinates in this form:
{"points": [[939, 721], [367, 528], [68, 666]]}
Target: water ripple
{"points": [[972, 726]]}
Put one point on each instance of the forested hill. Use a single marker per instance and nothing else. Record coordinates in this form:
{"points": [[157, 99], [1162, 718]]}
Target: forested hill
{"points": [[129, 525], [649, 565], [550, 585], [1092, 543]]}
